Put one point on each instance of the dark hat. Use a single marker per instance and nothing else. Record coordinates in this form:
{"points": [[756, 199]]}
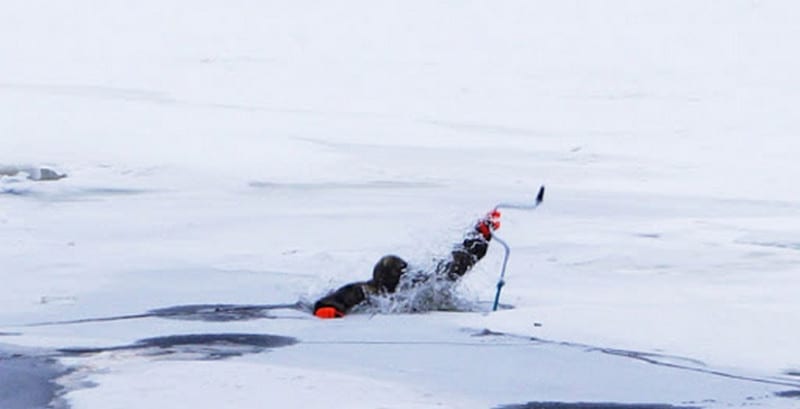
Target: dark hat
{"points": [[387, 272]]}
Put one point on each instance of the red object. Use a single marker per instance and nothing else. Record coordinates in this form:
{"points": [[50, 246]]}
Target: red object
{"points": [[483, 229], [328, 312], [489, 224], [494, 219]]}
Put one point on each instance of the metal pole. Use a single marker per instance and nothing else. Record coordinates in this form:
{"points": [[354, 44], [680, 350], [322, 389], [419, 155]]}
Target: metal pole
{"points": [[521, 206], [501, 282]]}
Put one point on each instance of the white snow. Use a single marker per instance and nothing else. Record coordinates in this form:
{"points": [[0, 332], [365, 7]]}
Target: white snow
{"points": [[247, 152]]}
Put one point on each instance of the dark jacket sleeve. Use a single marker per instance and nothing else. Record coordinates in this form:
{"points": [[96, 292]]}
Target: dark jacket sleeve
{"points": [[344, 298], [464, 256]]}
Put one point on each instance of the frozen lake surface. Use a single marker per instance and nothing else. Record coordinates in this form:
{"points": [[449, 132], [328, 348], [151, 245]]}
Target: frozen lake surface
{"points": [[179, 181]]}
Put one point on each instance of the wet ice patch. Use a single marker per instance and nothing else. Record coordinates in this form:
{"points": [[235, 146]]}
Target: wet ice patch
{"points": [[770, 240], [592, 405], [788, 394], [775, 244], [28, 381], [69, 193], [333, 185], [200, 312], [58, 299], [212, 346], [196, 346], [221, 312]]}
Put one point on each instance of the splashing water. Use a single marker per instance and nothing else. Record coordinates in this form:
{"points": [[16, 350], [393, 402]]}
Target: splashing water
{"points": [[420, 291]]}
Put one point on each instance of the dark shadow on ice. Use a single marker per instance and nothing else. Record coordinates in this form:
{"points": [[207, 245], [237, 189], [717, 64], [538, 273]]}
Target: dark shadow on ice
{"points": [[592, 405], [196, 346], [28, 382]]}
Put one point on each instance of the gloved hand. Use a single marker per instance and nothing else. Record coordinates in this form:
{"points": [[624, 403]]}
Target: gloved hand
{"points": [[488, 224]]}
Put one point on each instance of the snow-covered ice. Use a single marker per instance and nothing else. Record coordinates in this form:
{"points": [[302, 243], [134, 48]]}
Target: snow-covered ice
{"points": [[250, 153]]}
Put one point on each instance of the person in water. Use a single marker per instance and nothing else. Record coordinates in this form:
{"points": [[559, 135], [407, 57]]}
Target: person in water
{"points": [[389, 270]]}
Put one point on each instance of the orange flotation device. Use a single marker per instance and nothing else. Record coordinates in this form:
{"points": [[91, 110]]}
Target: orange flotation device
{"points": [[328, 312]]}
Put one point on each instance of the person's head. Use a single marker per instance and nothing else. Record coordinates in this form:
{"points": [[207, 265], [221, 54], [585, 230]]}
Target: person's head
{"points": [[387, 272]]}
